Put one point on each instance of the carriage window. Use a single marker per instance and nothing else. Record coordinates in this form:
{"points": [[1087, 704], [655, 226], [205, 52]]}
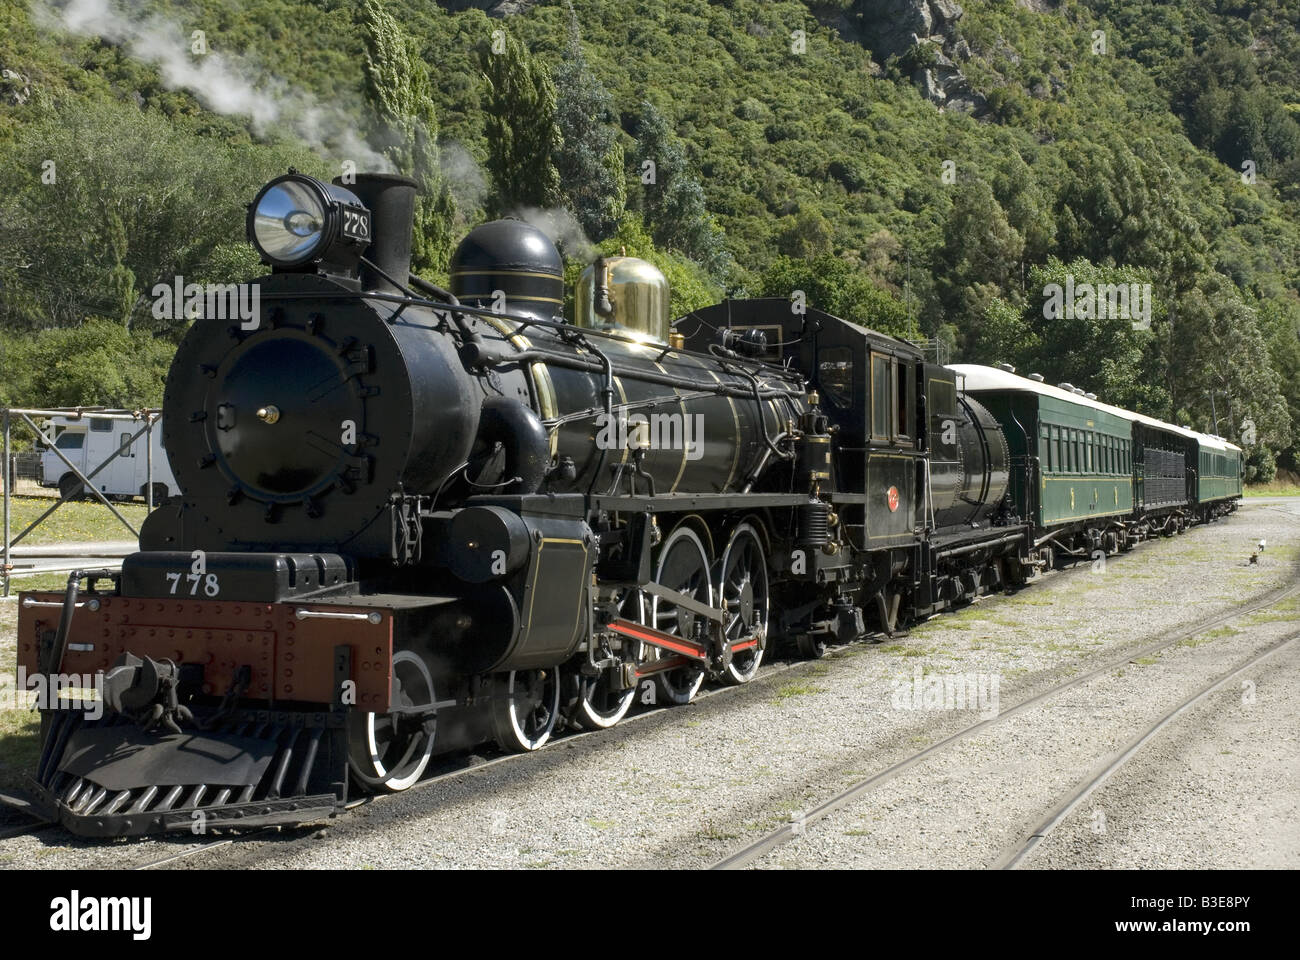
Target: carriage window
{"points": [[835, 374], [1056, 449], [880, 397]]}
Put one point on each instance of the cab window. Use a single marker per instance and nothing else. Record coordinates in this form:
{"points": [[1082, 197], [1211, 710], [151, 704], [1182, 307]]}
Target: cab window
{"points": [[880, 397], [903, 374], [835, 374]]}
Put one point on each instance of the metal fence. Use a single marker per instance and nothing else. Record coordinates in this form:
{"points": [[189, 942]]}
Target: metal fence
{"points": [[26, 465], [17, 419]]}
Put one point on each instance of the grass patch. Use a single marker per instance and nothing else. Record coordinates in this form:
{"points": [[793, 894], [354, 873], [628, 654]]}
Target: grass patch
{"points": [[1283, 610], [796, 688], [713, 833], [1277, 488], [1208, 636], [74, 521], [56, 582], [20, 744]]}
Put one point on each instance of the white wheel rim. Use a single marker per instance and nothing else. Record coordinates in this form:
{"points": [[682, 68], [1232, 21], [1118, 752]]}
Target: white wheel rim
{"points": [[372, 741], [737, 537], [602, 719], [678, 693], [551, 692]]}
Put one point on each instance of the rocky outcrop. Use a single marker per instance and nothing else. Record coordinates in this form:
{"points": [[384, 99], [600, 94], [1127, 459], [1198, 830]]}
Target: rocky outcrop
{"points": [[493, 8], [924, 36], [15, 89]]}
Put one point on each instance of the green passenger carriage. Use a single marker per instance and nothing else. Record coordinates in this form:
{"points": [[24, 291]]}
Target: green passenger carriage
{"points": [[1071, 456], [1219, 473]]}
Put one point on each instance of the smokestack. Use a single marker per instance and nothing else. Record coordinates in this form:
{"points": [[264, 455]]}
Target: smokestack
{"points": [[391, 201]]}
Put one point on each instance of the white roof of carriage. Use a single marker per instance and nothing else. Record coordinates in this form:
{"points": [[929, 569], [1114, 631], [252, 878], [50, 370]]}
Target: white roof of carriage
{"points": [[979, 377]]}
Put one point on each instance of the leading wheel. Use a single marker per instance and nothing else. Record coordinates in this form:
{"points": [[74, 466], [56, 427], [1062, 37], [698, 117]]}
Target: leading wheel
{"points": [[683, 567], [742, 587], [603, 701], [525, 708], [389, 751]]}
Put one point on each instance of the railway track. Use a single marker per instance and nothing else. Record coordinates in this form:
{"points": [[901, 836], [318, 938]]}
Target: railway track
{"points": [[461, 768], [757, 850], [1016, 855], [23, 829], [456, 770]]}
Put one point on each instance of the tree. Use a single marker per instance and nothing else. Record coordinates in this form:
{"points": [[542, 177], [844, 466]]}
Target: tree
{"points": [[1223, 351], [521, 129], [832, 284], [1027, 206], [99, 362], [980, 258], [103, 200], [404, 127], [1279, 321], [589, 157], [1067, 328], [673, 197]]}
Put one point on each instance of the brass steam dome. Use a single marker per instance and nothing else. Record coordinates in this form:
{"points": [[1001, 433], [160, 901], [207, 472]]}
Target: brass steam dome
{"points": [[627, 295]]}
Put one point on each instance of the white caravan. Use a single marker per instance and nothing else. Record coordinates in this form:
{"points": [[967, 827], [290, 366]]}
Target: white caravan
{"points": [[88, 442]]}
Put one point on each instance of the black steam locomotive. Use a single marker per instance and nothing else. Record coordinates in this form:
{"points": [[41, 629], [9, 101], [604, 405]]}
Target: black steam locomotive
{"points": [[416, 519]]}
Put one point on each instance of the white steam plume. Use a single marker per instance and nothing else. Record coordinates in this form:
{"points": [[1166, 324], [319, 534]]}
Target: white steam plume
{"points": [[222, 83], [464, 176], [562, 227]]}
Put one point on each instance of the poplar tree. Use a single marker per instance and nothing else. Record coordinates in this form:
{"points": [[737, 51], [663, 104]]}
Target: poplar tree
{"points": [[521, 128], [673, 195], [589, 157], [405, 130]]}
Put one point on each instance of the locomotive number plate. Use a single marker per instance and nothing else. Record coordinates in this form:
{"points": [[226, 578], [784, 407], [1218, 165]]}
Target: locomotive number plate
{"points": [[356, 224]]}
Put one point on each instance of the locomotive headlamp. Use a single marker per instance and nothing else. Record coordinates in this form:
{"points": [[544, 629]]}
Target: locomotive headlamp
{"points": [[298, 220]]}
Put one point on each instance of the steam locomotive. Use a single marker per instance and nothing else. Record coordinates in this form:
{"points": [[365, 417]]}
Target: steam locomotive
{"points": [[415, 519]]}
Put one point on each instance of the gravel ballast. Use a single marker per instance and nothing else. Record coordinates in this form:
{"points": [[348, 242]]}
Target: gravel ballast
{"points": [[685, 787]]}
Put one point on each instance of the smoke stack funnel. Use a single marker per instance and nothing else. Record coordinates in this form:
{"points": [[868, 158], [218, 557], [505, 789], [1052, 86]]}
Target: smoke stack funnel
{"points": [[391, 201]]}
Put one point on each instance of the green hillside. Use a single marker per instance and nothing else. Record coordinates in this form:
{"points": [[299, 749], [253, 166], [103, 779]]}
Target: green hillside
{"points": [[921, 166]]}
